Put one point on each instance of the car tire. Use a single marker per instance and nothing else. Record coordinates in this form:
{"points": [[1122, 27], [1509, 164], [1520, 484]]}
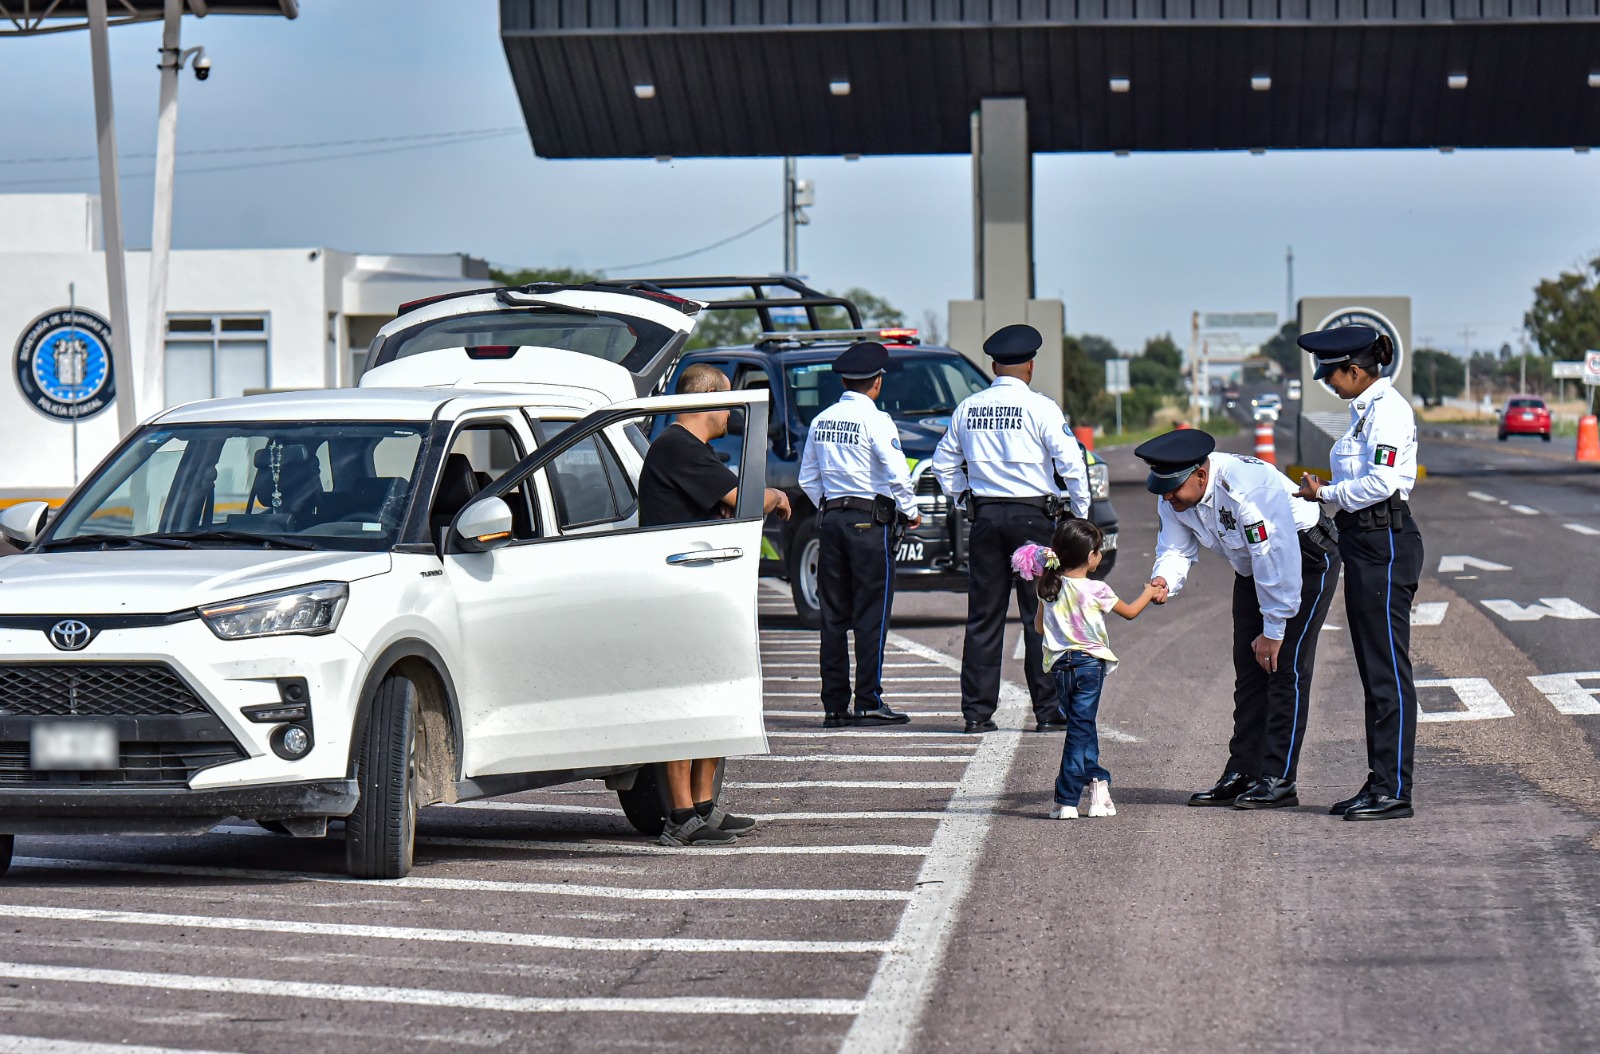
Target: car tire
{"points": [[8, 844], [1545, 436], [803, 574], [380, 835], [1502, 437], [649, 800]]}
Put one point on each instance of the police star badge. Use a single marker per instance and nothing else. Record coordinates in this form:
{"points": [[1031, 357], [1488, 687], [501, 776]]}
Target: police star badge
{"points": [[1255, 533], [1228, 522]]}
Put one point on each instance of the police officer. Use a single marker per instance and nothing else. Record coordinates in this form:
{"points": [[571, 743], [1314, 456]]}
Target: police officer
{"points": [[1285, 562], [1374, 468], [1007, 455], [855, 473]]}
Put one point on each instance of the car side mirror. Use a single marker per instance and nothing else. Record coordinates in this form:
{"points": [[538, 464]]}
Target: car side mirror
{"points": [[483, 525], [24, 522]]}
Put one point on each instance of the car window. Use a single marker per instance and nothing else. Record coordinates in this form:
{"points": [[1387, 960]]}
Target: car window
{"points": [[580, 480], [479, 454], [628, 340], [1527, 404], [915, 386]]}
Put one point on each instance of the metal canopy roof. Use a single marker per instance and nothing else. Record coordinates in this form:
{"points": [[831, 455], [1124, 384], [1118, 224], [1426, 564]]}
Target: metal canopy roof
{"points": [[32, 17], [752, 77]]}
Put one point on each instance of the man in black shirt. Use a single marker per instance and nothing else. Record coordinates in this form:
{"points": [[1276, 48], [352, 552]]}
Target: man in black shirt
{"points": [[684, 481]]}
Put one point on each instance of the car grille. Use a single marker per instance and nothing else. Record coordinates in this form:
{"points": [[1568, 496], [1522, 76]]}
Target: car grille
{"points": [[928, 486], [92, 689], [139, 764]]}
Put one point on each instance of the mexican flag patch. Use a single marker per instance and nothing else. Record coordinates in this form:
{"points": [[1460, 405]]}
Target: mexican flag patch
{"points": [[1384, 456], [1255, 533]]}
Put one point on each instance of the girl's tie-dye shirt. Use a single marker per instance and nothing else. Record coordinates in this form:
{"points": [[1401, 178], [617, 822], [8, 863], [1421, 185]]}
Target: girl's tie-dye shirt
{"points": [[1075, 621]]}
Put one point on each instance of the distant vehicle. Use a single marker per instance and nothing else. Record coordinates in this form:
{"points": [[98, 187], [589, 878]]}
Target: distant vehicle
{"points": [[1525, 415], [1267, 407], [1294, 390], [1230, 396]]}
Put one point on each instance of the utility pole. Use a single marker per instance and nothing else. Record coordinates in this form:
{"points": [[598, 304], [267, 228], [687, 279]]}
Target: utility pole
{"points": [[1288, 311], [1466, 348], [798, 195]]}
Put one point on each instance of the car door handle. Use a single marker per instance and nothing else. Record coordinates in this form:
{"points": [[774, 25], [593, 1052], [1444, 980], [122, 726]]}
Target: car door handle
{"points": [[705, 556]]}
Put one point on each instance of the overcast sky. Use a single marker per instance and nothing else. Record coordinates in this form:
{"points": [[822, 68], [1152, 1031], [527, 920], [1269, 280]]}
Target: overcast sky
{"points": [[1132, 245]]}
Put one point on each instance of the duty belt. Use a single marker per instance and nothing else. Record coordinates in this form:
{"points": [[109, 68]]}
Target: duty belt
{"points": [[859, 504], [1389, 514], [1319, 538], [1040, 502]]}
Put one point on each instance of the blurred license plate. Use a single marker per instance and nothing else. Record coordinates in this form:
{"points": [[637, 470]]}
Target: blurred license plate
{"points": [[910, 552], [74, 745], [1110, 544]]}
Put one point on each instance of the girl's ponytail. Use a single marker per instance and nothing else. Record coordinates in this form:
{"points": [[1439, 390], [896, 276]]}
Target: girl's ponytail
{"points": [[1035, 563]]}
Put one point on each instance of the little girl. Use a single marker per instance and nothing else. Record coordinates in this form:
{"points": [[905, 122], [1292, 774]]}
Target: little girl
{"points": [[1077, 652]]}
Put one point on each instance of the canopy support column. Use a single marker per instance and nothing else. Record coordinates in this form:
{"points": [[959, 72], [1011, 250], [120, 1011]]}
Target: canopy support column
{"points": [[127, 378]]}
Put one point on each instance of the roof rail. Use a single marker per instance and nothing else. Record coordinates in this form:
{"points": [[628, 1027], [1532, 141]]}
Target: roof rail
{"points": [[758, 300]]}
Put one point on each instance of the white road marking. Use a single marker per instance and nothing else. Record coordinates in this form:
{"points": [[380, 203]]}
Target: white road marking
{"points": [[910, 709], [869, 733], [40, 1045], [856, 759], [1021, 650], [1567, 695], [697, 1005], [1449, 565], [1481, 496], [812, 665], [649, 848], [1429, 613], [790, 679], [1326, 626], [853, 785], [1479, 697], [297, 927], [469, 885], [1582, 528], [1525, 510], [524, 806], [1552, 607]]}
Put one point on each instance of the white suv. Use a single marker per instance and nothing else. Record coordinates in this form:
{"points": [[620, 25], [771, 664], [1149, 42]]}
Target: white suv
{"points": [[354, 603]]}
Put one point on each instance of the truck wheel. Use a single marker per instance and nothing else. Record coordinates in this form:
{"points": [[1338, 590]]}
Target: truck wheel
{"points": [[649, 800], [379, 836], [803, 574], [8, 842]]}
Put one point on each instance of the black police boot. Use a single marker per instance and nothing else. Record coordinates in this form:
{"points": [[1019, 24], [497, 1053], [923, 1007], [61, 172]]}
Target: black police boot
{"points": [[1224, 791], [882, 715], [1339, 808], [1269, 792], [833, 720], [1054, 722], [981, 726], [1379, 807]]}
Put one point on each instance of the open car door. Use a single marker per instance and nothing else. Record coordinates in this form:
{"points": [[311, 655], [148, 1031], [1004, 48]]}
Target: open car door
{"points": [[602, 643]]}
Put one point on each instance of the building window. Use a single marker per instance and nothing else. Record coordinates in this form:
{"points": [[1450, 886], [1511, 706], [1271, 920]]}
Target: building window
{"points": [[215, 356]]}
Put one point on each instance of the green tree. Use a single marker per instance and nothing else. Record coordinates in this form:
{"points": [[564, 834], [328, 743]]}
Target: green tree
{"points": [[1098, 348], [1565, 318], [735, 327], [1164, 351], [529, 275], [1437, 375], [876, 312], [1282, 349], [1083, 385]]}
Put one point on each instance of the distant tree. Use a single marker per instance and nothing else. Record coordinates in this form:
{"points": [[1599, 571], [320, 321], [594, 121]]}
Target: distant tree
{"points": [[1083, 385], [1165, 351], [875, 311], [529, 275], [738, 326], [1282, 349], [1098, 348], [1437, 375], [1565, 318]]}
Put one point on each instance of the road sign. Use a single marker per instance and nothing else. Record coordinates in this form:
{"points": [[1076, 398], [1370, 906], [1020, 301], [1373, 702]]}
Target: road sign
{"points": [[1567, 371], [1242, 320], [1591, 368], [1117, 376]]}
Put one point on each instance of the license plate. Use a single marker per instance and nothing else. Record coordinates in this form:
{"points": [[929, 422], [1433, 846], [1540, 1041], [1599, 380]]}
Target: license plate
{"points": [[1110, 544], [910, 553], [74, 745]]}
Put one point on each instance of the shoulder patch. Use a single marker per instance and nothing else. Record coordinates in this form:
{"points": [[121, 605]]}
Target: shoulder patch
{"points": [[895, 443], [1255, 533], [1385, 456], [1066, 428]]}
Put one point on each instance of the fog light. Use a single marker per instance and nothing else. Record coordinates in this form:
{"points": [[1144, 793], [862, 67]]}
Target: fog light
{"points": [[291, 742]]}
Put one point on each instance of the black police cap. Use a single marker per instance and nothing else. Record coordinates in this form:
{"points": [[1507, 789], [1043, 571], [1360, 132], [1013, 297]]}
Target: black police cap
{"points": [[862, 361], [1339, 346], [1173, 456], [1013, 345]]}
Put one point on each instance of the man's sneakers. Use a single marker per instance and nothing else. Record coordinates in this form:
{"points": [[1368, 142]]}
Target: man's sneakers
{"points": [[728, 823], [695, 831], [1100, 803]]}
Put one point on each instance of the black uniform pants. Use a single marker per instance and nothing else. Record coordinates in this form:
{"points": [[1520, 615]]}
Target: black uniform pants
{"points": [[855, 584], [999, 530], [1270, 709], [1382, 567]]}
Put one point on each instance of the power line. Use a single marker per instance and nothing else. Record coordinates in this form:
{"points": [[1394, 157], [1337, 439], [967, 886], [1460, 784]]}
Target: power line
{"points": [[703, 249], [415, 137]]}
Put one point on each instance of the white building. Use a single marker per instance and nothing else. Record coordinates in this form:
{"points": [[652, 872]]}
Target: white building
{"points": [[237, 320]]}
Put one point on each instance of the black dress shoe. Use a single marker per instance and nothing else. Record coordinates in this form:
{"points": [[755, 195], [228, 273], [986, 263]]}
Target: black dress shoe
{"points": [[981, 726], [1339, 808], [1269, 792], [1050, 726], [835, 720], [1224, 791], [881, 716], [1379, 807]]}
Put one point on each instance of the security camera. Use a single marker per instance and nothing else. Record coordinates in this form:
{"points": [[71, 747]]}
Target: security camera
{"points": [[202, 68]]}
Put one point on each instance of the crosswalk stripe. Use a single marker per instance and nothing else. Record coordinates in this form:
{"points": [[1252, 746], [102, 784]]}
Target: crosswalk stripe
{"points": [[526, 806], [818, 712], [854, 785], [642, 848], [40, 1045], [854, 759]]}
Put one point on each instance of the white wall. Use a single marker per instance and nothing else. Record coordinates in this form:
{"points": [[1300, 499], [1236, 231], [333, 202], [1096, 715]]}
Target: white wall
{"points": [[49, 223]]}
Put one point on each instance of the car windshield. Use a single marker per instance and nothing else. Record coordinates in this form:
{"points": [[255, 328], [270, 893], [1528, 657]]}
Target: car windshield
{"points": [[1527, 404], [629, 341], [328, 485], [916, 386]]}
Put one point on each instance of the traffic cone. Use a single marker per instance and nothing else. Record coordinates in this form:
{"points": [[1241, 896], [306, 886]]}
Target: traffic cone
{"points": [[1588, 438], [1085, 434], [1265, 450]]}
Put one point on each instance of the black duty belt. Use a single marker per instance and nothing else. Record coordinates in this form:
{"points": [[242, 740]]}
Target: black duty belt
{"points": [[859, 504], [1319, 538], [1390, 515], [1041, 502]]}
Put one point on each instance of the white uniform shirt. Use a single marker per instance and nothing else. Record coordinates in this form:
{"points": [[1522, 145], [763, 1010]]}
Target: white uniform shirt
{"points": [[1377, 457], [853, 451], [1009, 441], [1248, 515]]}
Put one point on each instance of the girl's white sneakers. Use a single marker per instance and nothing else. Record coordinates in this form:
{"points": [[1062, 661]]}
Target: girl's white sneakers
{"points": [[1063, 812], [1100, 803]]}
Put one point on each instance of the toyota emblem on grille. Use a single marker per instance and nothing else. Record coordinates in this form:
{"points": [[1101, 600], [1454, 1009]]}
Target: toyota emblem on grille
{"points": [[71, 635]]}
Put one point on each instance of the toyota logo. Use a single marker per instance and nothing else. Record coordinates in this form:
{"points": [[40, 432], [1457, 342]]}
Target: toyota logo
{"points": [[71, 635]]}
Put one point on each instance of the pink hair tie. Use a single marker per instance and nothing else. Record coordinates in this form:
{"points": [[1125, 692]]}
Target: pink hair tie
{"points": [[1032, 561]]}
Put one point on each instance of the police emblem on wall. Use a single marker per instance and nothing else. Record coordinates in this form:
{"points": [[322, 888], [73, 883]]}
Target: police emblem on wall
{"points": [[64, 364], [1364, 316]]}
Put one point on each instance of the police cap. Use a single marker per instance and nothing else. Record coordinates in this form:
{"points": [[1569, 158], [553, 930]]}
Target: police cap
{"points": [[862, 362], [1013, 345], [1173, 456], [1340, 346]]}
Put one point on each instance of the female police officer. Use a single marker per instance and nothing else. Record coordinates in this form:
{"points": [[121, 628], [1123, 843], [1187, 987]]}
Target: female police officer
{"points": [[1374, 468]]}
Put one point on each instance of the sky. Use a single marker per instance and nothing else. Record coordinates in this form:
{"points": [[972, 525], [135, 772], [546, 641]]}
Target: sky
{"points": [[1132, 245]]}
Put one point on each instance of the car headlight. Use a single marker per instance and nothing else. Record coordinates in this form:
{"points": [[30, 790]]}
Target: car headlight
{"points": [[1100, 481], [308, 610]]}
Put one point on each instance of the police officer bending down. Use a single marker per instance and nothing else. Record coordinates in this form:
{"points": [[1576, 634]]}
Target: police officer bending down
{"points": [[1285, 564], [854, 472], [1004, 451]]}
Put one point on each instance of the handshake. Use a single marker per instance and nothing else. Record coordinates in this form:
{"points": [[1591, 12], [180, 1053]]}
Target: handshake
{"points": [[1160, 594]]}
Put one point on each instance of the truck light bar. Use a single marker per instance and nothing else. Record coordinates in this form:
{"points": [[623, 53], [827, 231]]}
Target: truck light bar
{"points": [[901, 337]]}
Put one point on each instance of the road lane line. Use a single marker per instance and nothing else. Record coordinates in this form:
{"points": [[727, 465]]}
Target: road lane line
{"points": [[301, 928], [1525, 510], [1429, 612], [855, 759], [472, 885], [914, 713], [642, 848], [523, 806], [1481, 496], [40, 1045], [1582, 528], [853, 785], [698, 1005], [966, 738]]}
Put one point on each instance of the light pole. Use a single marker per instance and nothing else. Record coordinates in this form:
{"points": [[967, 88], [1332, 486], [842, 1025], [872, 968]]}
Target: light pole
{"points": [[111, 219], [798, 195]]}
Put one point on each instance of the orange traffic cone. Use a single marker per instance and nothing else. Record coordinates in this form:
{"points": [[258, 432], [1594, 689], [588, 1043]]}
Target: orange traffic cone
{"points": [[1588, 438], [1265, 450]]}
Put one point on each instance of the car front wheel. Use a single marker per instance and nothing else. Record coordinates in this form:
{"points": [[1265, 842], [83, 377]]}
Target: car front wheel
{"points": [[380, 835], [8, 842], [803, 574]]}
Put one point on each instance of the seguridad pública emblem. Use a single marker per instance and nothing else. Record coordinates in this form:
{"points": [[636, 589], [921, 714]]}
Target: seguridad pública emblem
{"points": [[63, 364]]}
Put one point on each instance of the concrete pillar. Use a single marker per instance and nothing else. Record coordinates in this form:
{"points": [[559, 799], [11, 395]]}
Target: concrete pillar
{"points": [[1002, 215]]}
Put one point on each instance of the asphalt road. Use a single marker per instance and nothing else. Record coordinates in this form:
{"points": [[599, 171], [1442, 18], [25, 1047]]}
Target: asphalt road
{"points": [[907, 892]]}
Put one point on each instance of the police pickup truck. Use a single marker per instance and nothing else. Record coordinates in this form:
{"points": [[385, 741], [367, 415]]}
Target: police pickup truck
{"points": [[922, 388]]}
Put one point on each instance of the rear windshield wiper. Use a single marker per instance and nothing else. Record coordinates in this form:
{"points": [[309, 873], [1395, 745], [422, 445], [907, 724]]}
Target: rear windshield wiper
{"points": [[116, 539], [265, 541]]}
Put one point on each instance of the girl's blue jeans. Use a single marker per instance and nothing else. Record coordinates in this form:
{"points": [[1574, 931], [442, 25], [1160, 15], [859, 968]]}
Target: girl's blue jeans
{"points": [[1079, 677]]}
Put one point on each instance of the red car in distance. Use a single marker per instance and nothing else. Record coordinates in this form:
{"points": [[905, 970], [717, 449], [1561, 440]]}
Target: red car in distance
{"points": [[1525, 415]]}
